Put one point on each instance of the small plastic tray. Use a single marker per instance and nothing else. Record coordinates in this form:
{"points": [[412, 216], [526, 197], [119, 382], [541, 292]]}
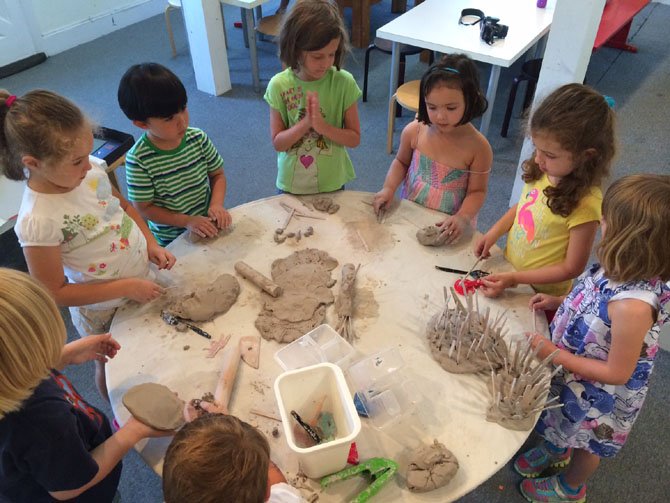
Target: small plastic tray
{"points": [[321, 345]]}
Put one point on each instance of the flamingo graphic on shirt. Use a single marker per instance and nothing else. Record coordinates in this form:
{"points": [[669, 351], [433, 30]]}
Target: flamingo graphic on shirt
{"points": [[525, 218]]}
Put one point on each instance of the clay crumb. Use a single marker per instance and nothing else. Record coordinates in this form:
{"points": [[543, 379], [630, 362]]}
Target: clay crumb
{"points": [[186, 348], [290, 235], [275, 432]]}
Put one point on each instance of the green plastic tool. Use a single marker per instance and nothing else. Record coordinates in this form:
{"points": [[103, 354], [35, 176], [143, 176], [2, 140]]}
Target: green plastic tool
{"points": [[380, 471]]}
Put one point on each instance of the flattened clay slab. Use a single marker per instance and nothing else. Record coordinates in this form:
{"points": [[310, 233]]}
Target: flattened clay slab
{"points": [[430, 467], [155, 405], [206, 301], [431, 236]]}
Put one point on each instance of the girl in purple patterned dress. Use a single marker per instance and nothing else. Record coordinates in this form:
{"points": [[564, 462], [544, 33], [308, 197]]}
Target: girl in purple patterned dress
{"points": [[443, 162], [607, 332]]}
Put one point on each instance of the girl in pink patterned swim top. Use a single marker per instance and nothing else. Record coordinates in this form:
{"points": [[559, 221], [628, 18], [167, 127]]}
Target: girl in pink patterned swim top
{"points": [[443, 162]]}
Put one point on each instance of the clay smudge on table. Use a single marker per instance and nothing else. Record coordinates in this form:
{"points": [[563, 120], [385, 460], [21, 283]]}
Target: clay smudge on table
{"points": [[364, 233], [519, 388], [464, 341], [207, 300], [305, 277], [366, 305], [431, 236], [430, 466], [155, 405]]}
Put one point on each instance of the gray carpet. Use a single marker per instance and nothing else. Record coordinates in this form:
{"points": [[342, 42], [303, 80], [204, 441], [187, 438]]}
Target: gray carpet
{"points": [[239, 127]]}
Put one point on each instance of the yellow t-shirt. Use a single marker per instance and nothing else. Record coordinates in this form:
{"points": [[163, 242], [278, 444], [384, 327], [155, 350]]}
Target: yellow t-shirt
{"points": [[539, 238]]}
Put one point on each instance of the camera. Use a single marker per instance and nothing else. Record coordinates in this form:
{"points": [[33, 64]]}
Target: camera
{"points": [[490, 30]]}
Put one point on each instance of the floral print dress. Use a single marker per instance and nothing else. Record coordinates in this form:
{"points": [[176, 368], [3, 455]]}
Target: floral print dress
{"points": [[598, 417]]}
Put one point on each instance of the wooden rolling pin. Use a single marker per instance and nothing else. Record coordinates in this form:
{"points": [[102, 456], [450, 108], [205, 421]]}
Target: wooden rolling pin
{"points": [[263, 282], [224, 388]]}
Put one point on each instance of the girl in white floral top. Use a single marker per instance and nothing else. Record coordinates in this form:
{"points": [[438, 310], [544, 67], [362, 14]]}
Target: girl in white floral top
{"points": [[80, 237]]}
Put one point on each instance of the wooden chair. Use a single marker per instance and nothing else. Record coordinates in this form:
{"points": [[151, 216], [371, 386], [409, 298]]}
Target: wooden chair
{"points": [[171, 5], [407, 96]]}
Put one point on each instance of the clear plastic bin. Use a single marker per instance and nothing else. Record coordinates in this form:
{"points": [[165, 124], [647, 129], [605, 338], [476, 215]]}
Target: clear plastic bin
{"points": [[323, 344], [383, 387]]}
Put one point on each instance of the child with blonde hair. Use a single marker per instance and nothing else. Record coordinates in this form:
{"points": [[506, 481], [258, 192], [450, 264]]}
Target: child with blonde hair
{"points": [[238, 466], [443, 162], [313, 102], [551, 230], [80, 237], [53, 444], [606, 331]]}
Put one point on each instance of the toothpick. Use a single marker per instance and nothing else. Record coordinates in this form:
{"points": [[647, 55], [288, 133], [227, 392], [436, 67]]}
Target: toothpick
{"points": [[471, 269], [534, 322], [365, 245], [269, 415]]}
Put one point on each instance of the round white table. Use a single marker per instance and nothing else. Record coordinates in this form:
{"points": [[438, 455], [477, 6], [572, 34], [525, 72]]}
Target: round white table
{"points": [[397, 271]]}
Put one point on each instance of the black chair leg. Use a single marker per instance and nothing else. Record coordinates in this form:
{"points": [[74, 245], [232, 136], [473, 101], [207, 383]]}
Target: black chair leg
{"points": [[365, 71], [510, 107], [530, 92]]}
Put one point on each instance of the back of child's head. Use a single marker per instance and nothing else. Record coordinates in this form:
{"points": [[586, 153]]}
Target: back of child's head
{"points": [[311, 25], [636, 212], [41, 124], [216, 458], [150, 90], [32, 336], [581, 121], [456, 71]]}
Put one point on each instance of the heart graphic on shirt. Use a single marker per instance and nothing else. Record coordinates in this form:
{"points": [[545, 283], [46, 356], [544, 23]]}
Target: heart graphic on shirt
{"points": [[306, 160]]}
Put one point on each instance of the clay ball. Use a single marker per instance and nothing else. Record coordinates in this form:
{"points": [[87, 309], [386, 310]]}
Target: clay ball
{"points": [[430, 467]]}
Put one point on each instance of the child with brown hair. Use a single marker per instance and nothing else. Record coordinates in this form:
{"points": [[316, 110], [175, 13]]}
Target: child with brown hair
{"points": [[80, 237], [551, 230], [53, 445], [313, 109], [217, 458], [443, 162], [606, 331]]}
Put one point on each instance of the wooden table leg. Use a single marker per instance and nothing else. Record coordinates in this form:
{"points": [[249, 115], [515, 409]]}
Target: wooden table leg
{"points": [[398, 6]]}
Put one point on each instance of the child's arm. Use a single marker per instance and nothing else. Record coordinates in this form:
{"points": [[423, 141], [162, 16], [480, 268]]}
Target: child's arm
{"points": [[283, 138], [501, 227], [46, 265], [581, 239], [349, 135], [108, 454], [631, 320], [202, 226], [157, 254], [216, 212], [398, 169], [480, 168], [98, 347]]}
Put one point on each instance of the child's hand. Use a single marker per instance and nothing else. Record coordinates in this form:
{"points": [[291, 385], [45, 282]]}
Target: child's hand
{"points": [[452, 228], [202, 226], [143, 290], [160, 256], [545, 302], [536, 340], [382, 199], [139, 430], [494, 284], [483, 245], [190, 412], [220, 215], [94, 347], [314, 112]]}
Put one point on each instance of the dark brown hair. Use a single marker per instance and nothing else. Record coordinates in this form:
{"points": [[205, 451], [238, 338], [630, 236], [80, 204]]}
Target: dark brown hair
{"points": [[40, 123], [581, 121], [216, 458], [311, 25], [636, 211], [456, 71]]}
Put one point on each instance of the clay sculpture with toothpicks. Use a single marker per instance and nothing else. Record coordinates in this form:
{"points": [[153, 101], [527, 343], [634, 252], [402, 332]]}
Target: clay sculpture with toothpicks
{"points": [[464, 341], [519, 388], [344, 304]]}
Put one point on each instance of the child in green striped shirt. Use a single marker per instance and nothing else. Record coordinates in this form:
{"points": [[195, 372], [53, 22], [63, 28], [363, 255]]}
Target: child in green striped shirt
{"points": [[175, 175]]}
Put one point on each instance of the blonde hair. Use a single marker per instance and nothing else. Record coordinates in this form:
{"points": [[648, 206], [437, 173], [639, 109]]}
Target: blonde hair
{"points": [[216, 458], [32, 336], [40, 123], [311, 25], [636, 212], [582, 122]]}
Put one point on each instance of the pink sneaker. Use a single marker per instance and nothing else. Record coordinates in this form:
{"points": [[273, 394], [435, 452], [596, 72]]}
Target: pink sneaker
{"points": [[532, 463], [550, 490]]}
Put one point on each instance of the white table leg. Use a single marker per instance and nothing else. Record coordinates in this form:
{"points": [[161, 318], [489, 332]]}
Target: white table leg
{"points": [[395, 69], [491, 97], [253, 54], [204, 27]]}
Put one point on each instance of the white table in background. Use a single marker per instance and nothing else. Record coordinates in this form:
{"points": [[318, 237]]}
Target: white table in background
{"points": [[434, 25], [209, 54], [400, 274]]}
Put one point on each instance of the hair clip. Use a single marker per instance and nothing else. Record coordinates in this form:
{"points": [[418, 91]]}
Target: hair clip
{"points": [[447, 69], [10, 100]]}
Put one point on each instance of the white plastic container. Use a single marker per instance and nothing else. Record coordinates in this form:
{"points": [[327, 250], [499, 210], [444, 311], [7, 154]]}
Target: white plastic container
{"points": [[383, 387], [323, 344], [300, 390]]}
